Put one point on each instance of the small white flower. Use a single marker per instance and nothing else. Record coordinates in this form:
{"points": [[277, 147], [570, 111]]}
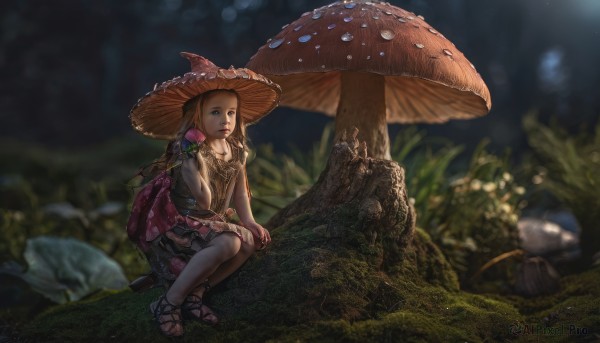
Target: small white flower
{"points": [[476, 185], [505, 208], [489, 187]]}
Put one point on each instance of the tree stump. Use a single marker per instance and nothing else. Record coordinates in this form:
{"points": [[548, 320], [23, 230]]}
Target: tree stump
{"points": [[373, 187]]}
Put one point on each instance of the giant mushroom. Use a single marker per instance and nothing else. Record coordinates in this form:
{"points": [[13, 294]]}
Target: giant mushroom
{"points": [[369, 63]]}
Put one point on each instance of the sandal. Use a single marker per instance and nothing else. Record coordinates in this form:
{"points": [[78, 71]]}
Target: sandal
{"points": [[163, 308], [194, 303]]}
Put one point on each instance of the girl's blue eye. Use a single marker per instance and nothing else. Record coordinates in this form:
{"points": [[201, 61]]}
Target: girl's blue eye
{"points": [[215, 112], [231, 113]]}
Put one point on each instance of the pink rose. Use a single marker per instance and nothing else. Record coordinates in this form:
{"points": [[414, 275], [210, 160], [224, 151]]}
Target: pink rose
{"points": [[195, 136]]}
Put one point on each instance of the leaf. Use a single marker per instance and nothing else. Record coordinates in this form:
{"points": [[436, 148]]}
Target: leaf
{"points": [[66, 269]]}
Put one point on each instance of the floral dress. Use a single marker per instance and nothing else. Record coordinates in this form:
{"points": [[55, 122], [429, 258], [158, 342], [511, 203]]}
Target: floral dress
{"points": [[189, 228]]}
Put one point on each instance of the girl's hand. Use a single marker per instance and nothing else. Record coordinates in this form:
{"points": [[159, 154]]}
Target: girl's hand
{"points": [[261, 235]]}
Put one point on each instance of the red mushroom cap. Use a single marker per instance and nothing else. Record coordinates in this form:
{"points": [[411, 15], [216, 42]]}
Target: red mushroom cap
{"points": [[427, 78]]}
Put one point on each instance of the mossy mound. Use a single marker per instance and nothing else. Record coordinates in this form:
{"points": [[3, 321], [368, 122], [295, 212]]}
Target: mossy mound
{"points": [[428, 313], [305, 288], [325, 276]]}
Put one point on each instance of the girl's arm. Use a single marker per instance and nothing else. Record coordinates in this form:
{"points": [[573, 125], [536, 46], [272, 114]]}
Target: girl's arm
{"points": [[241, 203], [190, 171]]}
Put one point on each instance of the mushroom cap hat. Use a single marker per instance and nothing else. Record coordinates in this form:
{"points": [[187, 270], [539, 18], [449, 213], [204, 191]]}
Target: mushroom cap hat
{"points": [[427, 79], [158, 114]]}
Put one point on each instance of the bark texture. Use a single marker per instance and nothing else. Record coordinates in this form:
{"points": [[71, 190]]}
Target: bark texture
{"points": [[372, 189]]}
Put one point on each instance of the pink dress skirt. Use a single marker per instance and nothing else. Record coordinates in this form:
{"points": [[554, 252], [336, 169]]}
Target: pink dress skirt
{"points": [[167, 238]]}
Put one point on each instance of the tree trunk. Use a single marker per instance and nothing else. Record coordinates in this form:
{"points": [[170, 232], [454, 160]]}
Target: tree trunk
{"points": [[362, 105], [373, 190]]}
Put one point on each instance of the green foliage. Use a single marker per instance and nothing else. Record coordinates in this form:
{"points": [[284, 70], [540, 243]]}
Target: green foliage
{"points": [[477, 219], [426, 163], [568, 167], [41, 189], [278, 179], [470, 214]]}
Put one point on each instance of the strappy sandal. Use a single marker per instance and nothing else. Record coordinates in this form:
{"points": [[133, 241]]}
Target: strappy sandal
{"points": [[194, 303], [164, 308]]}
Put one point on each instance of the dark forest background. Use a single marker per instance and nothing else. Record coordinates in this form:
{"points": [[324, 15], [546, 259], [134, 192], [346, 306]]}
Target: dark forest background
{"points": [[71, 70]]}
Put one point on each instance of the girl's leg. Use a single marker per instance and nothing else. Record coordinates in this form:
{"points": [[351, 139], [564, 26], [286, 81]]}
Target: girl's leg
{"points": [[203, 264], [203, 312], [200, 266], [227, 268]]}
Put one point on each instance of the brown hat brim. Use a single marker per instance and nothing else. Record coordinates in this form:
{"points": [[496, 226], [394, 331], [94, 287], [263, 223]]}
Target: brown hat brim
{"points": [[158, 114]]}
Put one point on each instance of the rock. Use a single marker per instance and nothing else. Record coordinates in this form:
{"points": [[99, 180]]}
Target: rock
{"points": [[543, 237]]}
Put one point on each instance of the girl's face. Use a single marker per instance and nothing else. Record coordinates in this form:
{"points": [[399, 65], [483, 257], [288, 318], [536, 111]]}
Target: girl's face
{"points": [[219, 114]]}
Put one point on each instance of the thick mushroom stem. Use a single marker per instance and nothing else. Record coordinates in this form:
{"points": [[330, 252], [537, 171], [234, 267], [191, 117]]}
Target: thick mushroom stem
{"points": [[362, 105]]}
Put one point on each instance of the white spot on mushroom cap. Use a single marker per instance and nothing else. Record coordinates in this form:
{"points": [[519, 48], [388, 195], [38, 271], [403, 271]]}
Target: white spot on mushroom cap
{"points": [[346, 37], [304, 38], [387, 34], [276, 43]]}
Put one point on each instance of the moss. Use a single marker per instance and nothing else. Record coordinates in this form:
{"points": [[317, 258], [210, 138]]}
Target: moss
{"points": [[423, 260], [429, 313], [573, 312], [322, 283], [311, 285]]}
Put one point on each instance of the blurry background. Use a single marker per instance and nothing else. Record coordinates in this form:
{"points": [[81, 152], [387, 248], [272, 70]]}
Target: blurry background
{"points": [[71, 70]]}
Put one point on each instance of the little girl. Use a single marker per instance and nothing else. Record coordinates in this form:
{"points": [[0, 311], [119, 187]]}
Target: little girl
{"points": [[179, 219]]}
